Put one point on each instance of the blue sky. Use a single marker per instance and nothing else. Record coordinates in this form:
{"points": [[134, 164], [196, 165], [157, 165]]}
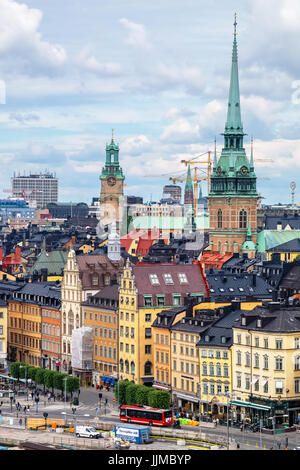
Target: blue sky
{"points": [[158, 73]]}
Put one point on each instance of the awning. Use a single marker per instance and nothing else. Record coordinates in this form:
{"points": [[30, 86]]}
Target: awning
{"points": [[247, 404]]}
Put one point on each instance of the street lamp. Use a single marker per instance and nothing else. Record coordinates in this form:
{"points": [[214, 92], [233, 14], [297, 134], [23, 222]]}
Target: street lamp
{"points": [[65, 380], [26, 384], [229, 395]]}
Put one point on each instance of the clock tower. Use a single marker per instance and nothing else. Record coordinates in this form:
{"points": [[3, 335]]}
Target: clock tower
{"points": [[112, 183], [232, 201]]}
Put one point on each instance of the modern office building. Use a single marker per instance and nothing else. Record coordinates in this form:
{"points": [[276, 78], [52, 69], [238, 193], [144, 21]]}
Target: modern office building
{"points": [[38, 188]]}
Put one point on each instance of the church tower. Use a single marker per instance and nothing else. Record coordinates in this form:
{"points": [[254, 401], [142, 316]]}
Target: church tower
{"points": [[112, 183], [232, 202]]}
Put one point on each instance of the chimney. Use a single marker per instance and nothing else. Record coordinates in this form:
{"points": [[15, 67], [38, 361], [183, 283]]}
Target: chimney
{"points": [[18, 254], [236, 304], [275, 295]]}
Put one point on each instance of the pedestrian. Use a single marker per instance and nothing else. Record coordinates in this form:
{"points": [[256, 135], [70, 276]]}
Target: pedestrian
{"points": [[20, 407], [238, 446], [20, 421], [25, 409], [54, 397]]}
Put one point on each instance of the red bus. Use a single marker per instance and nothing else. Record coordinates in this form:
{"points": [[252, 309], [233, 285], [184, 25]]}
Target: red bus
{"points": [[142, 414]]}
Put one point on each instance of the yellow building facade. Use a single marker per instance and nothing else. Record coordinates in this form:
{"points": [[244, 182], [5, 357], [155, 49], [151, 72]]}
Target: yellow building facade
{"points": [[3, 334]]}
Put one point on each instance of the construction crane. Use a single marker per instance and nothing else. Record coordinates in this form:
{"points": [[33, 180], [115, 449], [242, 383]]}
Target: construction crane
{"points": [[207, 162]]}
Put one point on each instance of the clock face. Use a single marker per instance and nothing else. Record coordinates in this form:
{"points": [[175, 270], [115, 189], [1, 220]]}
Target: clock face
{"points": [[111, 181], [244, 170]]}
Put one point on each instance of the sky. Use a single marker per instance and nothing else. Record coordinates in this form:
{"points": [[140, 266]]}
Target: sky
{"points": [[158, 74]]}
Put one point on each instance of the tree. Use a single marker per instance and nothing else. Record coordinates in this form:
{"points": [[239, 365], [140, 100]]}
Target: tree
{"points": [[163, 400], [120, 391], [40, 377], [141, 395], [49, 378], [130, 394]]}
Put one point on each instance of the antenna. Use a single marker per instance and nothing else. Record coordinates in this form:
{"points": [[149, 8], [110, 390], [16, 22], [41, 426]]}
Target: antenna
{"points": [[293, 188]]}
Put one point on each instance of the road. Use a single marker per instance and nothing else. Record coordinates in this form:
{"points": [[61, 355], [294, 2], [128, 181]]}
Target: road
{"points": [[90, 407]]}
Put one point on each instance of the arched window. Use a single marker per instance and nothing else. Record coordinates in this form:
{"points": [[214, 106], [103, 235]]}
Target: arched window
{"points": [[243, 219], [220, 218], [127, 367], [132, 366], [148, 368]]}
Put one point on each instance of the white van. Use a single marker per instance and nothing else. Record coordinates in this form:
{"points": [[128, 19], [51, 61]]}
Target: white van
{"points": [[87, 431]]}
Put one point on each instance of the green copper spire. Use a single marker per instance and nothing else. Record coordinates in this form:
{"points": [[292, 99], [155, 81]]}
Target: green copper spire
{"points": [[112, 165], [234, 121], [233, 173], [188, 190], [251, 158]]}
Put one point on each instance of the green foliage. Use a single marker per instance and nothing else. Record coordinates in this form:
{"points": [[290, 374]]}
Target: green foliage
{"points": [[163, 400], [120, 392], [73, 383], [15, 370], [152, 398], [141, 395], [130, 394], [49, 378], [40, 376], [32, 373]]}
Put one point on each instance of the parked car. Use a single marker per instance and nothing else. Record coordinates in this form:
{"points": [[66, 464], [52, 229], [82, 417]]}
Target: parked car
{"points": [[87, 431]]}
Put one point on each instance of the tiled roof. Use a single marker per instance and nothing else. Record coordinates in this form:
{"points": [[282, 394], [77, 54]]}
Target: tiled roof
{"points": [[292, 246], [195, 280], [228, 286], [280, 320]]}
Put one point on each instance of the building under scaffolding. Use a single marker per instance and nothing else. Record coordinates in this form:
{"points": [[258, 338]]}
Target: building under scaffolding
{"points": [[82, 353]]}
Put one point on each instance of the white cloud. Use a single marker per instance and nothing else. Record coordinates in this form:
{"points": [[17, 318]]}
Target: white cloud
{"points": [[89, 62], [21, 42], [137, 34]]}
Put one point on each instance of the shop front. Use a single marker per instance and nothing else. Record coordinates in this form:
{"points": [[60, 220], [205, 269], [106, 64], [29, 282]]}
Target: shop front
{"points": [[252, 412]]}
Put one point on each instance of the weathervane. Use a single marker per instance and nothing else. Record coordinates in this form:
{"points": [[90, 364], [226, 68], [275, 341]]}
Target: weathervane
{"points": [[235, 23]]}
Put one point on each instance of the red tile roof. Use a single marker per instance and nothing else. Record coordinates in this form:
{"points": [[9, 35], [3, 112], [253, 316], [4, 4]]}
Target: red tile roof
{"points": [[196, 281]]}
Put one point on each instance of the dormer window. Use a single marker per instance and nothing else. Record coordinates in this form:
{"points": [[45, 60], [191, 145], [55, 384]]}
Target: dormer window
{"points": [[154, 279], [182, 278], [207, 339], [244, 321], [168, 279], [259, 323], [223, 339]]}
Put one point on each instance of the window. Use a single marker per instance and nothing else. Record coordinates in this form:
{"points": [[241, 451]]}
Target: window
{"points": [[168, 279], [266, 343], [148, 300], [297, 343], [239, 358], [176, 299], [182, 278], [256, 361], [204, 368], [256, 385], [239, 339], [211, 369], [154, 279], [257, 342], [278, 387], [297, 363], [160, 300], [226, 370], [218, 370], [243, 219], [248, 359], [148, 317], [148, 332], [247, 382], [279, 363], [265, 385], [238, 381], [297, 385], [278, 343], [220, 219], [266, 362]]}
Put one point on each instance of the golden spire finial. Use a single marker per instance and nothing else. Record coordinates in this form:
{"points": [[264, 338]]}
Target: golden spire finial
{"points": [[112, 135], [235, 24]]}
